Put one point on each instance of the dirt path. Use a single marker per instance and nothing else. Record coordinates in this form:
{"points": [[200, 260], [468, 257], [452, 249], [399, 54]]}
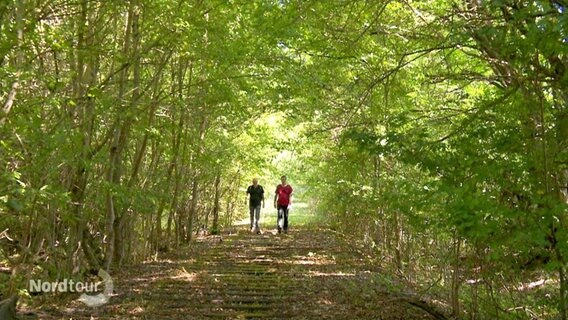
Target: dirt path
{"points": [[305, 274]]}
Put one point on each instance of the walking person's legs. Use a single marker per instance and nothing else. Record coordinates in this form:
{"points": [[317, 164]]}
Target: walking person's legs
{"points": [[286, 219], [257, 218], [251, 212], [280, 217]]}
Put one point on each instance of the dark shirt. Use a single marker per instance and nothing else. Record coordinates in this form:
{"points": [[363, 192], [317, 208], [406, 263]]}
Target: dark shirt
{"points": [[256, 195]]}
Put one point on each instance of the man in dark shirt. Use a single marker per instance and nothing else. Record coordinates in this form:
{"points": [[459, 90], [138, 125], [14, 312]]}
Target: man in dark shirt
{"points": [[256, 197]]}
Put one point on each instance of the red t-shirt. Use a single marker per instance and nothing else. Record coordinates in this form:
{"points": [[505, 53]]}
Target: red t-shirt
{"points": [[283, 193]]}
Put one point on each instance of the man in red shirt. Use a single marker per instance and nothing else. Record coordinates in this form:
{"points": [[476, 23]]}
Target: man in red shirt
{"points": [[282, 201]]}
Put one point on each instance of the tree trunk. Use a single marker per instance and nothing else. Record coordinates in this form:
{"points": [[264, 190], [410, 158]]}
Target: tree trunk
{"points": [[455, 285], [397, 244], [18, 63], [215, 228], [86, 75], [195, 184], [181, 138], [114, 222]]}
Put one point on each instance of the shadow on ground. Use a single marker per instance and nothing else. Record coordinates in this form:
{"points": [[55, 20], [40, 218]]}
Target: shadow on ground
{"points": [[305, 274]]}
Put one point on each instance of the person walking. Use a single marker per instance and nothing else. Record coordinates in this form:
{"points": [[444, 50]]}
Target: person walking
{"points": [[255, 193], [282, 203]]}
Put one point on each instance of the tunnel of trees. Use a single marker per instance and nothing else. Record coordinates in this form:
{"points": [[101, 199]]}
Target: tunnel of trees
{"points": [[434, 131]]}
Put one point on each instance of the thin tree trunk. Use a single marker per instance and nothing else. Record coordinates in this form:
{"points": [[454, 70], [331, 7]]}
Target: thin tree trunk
{"points": [[113, 222], [171, 169], [397, 244], [180, 139], [86, 73], [455, 285], [216, 208], [18, 63], [9, 102], [563, 289], [195, 183]]}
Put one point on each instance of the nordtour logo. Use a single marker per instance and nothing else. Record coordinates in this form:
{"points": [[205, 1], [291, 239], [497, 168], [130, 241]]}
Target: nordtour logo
{"points": [[87, 289]]}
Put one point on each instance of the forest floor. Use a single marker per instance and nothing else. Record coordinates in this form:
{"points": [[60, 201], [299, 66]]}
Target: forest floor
{"points": [[307, 273]]}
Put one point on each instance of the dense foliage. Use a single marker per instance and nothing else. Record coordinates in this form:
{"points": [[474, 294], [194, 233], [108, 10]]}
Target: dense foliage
{"points": [[435, 131]]}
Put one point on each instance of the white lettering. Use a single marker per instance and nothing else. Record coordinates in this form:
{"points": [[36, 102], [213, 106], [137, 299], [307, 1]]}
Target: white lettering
{"points": [[34, 286], [47, 287], [62, 286], [68, 285]]}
